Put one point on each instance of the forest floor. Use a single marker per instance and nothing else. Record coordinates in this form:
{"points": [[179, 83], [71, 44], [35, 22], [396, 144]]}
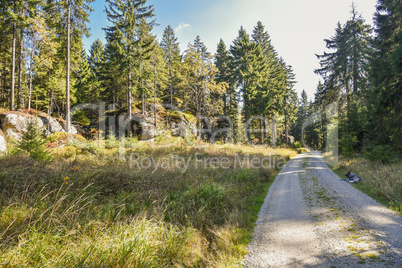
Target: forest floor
{"points": [[313, 218], [381, 181], [111, 203]]}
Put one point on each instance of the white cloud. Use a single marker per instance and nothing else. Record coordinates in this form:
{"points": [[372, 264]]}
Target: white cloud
{"points": [[182, 27]]}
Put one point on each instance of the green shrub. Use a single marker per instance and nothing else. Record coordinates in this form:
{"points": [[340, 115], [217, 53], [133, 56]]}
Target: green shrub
{"points": [[297, 145], [80, 117], [347, 144], [112, 142], [302, 150], [33, 143], [90, 146], [381, 153], [67, 151], [57, 136]]}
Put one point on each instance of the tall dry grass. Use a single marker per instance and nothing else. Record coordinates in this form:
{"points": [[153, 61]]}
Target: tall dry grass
{"points": [[91, 207], [381, 181]]}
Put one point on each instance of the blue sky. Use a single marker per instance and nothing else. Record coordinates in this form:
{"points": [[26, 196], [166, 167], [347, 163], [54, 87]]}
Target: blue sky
{"points": [[297, 28]]}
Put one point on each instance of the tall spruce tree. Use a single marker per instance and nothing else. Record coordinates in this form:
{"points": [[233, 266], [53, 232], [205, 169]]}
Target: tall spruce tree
{"points": [[289, 101], [171, 53], [223, 63], [201, 87], [249, 68], [144, 53], [126, 17], [70, 19], [85, 84], [302, 114], [345, 68], [384, 98]]}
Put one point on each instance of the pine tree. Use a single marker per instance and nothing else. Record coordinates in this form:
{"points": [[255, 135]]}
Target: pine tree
{"points": [[385, 96], [249, 67], [126, 17], [5, 59], [85, 82], [159, 77], [47, 65], [346, 68], [274, 83], [96, 56], [223, 63], [200, 47], [302, 114], [171, 53], [145, 51], [201, 86], [289, 101], [77, 11], [96, 61]]}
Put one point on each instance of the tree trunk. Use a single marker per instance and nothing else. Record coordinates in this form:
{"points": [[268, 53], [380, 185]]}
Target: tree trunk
{"points": [[51, 102], [155, 93], [347, 97], [143, 92], [12, 107], [20, 69], [171, 88], [273, 131], [286, 129], [30, 80], [143, 102], [265, 126], [129, 101], [68, 120], [114, 96], [247, 115], [261, 132]]}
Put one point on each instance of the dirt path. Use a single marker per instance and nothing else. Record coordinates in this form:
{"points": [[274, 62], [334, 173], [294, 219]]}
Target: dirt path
{"points": [[312, 218]]}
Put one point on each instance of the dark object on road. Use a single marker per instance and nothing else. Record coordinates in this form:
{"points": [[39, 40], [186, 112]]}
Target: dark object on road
{"points": [[352, 177]]}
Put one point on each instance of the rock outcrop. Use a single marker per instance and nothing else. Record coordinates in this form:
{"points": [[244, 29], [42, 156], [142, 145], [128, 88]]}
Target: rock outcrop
{"points": [[3, 144], [14, 124], [182, 128]]}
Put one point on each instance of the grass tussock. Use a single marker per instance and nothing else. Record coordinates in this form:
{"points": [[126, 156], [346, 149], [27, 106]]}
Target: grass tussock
{"points": [[95, 204], [381, 181]]}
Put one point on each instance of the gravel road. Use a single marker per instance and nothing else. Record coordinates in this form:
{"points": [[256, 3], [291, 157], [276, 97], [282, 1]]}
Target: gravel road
{"points": [[313, 218]]}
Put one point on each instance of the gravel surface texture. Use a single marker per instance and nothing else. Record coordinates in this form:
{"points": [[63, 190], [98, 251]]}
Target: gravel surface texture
{"points": [[313, 218]]}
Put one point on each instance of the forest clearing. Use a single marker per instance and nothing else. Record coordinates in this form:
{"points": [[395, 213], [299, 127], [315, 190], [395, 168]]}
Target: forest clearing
{"points": [[125, 141]]}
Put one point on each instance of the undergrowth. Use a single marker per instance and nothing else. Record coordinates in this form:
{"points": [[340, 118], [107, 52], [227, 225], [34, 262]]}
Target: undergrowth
{"points": [[381, 181], [92, 206]]}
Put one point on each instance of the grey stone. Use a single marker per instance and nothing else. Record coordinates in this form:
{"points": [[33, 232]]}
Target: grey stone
{"points": [[3, 145], [13, 125]]}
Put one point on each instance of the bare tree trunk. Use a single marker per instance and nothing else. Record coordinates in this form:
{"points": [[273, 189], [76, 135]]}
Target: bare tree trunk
{"points": [[51, 102], [273, 131], [261, 132], [129, 101], [114, 96], [50, 94], [68, 120], [30, 80], [171, 88], [247, 115], [286, 130], [12, 107], [143, 103], [155, 92], [171, 96], [20, 69], [143, 93]]}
